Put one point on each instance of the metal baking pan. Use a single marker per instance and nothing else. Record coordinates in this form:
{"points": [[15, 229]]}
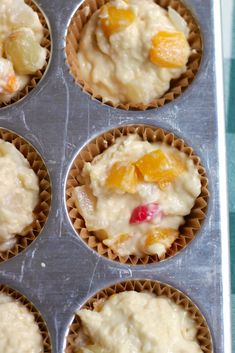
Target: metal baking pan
{"points": [[58, 272]]}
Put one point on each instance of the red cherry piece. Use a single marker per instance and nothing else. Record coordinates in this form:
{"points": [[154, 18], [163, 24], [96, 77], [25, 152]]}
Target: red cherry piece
{"points": [[144, 213]]}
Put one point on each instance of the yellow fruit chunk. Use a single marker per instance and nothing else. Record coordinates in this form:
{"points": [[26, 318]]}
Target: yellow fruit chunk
{"points": [[154, 166], [11, 85], [25, 53], [157, 167], [122, 176], [114, 20], [178, 167], [122, 238], [157, 235], [117, 242], [169, 50]]}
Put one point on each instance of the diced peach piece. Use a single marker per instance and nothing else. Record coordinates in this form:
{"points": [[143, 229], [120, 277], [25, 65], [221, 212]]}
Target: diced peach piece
{"points": [[115, 19], [178, 167], [169, 50], [11, 85], [8, 79], [154, 165], [156, 235], [157, 167], [139, 175], [122, 176]]}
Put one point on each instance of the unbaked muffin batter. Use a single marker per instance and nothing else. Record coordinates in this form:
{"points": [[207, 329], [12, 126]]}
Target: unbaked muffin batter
{"points": [[131, 49], [19, 332], [19, 194], [21, 54], [137, 195], [140, 323]]}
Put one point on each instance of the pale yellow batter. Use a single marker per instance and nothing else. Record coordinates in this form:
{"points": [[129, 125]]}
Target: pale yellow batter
{"points": [[140, 323], [117, 51], [18, 329], [109, 210], [21, 55], [19, 194]]}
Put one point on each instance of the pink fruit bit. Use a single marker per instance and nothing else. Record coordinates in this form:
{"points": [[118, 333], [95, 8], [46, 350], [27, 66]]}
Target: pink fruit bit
{"points": [[145, 213]]}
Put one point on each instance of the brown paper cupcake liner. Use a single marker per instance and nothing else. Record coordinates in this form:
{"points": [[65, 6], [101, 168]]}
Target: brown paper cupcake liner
{"points": [[100, 144], [46, 43], [47, 347], [160, 289], [42, 209], [177, 86]]}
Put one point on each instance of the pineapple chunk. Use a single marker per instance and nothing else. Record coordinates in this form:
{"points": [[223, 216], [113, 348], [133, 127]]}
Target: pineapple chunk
{"points": [[118, 242], [157, 167], [169, 50], [122, 176], [25, 53], [85, 201], [122, 238], [115, 19]]}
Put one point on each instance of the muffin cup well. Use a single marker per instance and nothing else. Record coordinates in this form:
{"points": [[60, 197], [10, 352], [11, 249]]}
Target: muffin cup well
{"points": [[42, 209], [37, 76], [47, 347], [100, 144], [160, 289], [177, 86]]}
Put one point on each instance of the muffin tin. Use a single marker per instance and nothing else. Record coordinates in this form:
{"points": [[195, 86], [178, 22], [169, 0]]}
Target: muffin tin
{"points": [[59, 272]]}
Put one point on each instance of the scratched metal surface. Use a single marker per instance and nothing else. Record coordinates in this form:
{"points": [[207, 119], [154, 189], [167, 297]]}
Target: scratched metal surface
{"points": [[58, 118]]}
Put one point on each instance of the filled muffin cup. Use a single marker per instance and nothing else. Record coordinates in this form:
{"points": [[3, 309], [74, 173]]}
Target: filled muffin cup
{"points": [[187, 231], [42, 209], [18, 297], [177, 86], [38, 75], [203, 335]]}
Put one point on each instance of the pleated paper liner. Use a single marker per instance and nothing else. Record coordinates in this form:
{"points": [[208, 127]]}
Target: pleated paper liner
{"points": [[47, 347], [42, 209], [177, 86], [160, 289], [46, 43], [101, 143]]}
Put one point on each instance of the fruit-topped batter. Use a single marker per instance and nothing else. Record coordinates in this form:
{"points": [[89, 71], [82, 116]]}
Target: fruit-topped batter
{"points": [[137, 194]]}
